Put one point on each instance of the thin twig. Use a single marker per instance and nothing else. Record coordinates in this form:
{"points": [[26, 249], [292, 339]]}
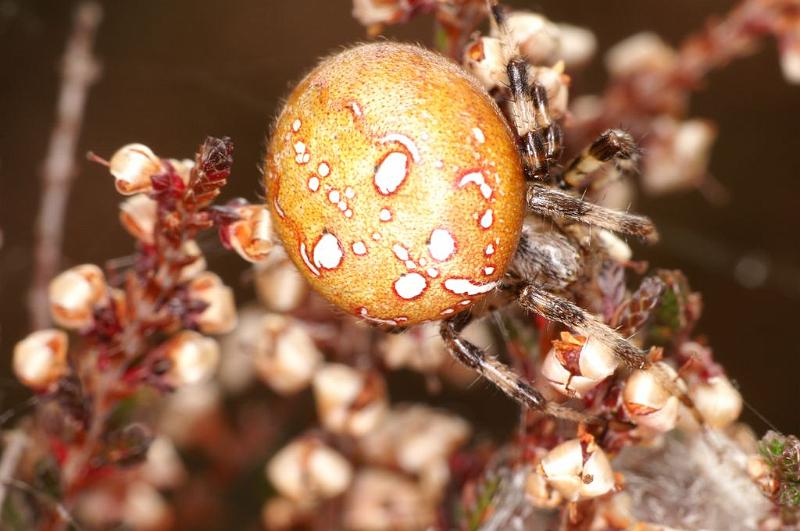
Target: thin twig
{"points": [[80, 71], [15, 446]]}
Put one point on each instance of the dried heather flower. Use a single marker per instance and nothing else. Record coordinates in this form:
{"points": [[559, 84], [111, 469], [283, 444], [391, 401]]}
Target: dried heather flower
{"points": [[251, 235], [138, 216], [40, 359], [349, 402], [132, 166], [286, 357], [677, 154], [280, 287], [219, 314], [281, 513], [193, 357], [414, 437], [576, 364], [383, 500], [578, 468], [74, 295], [539, 39], [197, 264], [578, 45], [717, 400], [163, 468], [307, 469], [648, 402], [643, 52]]}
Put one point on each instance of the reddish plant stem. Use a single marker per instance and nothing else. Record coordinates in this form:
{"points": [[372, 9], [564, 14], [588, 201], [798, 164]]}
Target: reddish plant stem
{"points": [[79, 71]]}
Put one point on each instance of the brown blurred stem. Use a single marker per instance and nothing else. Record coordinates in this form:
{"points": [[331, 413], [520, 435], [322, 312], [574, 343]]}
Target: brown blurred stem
{"points": [[12, 453], [79, 71]]}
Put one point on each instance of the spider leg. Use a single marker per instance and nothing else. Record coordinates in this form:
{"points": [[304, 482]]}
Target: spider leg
{"points": [[498, 373], [554, 203], [554, 308], [613, 146], [540, 137]]}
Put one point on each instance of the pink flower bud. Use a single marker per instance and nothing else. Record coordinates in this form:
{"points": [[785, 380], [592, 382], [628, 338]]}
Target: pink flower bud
{"points": [[40, 359], [219, 316], [194, 358], [132, 166], [74, 295]]}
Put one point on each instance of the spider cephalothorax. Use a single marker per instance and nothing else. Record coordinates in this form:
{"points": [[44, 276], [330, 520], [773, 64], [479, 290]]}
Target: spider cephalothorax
{"points": [[398, 188]]}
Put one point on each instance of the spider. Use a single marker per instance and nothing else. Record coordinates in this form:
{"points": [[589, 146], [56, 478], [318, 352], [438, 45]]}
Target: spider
{"points": [[400, 190]]}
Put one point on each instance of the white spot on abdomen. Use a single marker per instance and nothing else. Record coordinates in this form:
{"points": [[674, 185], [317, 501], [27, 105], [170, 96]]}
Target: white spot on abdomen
{"points": [[477, 178], [487, 219], [391, 173], [296, 125], [304, 255], [385, 214], [323, 169], [313, 184], [407, 143], [442, 245], [478, 134], [463, 286], [328, 252], [400, 252], [489, 250], [410, 285], [359, 248]]}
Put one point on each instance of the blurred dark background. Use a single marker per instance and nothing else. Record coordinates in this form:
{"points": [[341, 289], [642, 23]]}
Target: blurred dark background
{"points": [[176, 71]]}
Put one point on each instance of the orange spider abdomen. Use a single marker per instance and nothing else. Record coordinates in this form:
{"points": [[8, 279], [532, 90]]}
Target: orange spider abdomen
{"points": [[395, 184]]}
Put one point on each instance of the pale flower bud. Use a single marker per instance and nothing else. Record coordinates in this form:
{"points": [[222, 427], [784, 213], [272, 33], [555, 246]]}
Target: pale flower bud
{"points": [[349, 402], [790, 57], [617, 249], [279, 284], [539, 39], [307, 469], [138, 216], [717, 400], [648, 402], [190, 271], [250, 236], [578, 469], [377, 12], [74, 295], [677, 155], [194, 358], [380, 500], [484, 58], [40, 359], [219, 316], [286, 356], [576, 365], [163, 468], [578, 45], [640, 52], [414, 437], [540, 493], [146, 509], [133, 166]]}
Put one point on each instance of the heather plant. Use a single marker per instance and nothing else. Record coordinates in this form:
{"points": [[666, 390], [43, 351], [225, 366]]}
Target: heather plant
{"points": [[143, 409]]}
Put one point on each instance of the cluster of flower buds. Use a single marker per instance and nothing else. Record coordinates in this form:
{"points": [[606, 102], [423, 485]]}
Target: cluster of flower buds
{"points": [[74, 295], [713, 395]]}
